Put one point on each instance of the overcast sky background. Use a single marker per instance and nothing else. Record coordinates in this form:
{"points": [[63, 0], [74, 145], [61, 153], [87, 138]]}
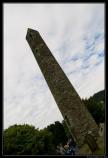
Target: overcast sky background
{"points": [[75, 35]]}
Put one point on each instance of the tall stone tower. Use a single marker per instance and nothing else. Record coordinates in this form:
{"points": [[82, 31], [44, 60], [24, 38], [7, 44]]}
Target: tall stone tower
{"points": [[79, 120]]}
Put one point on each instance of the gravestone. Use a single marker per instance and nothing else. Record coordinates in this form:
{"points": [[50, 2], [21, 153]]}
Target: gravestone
{"points": [[79, 121]]}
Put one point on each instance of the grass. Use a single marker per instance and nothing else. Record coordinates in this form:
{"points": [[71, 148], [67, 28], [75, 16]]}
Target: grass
{"points": [[86, 151]]}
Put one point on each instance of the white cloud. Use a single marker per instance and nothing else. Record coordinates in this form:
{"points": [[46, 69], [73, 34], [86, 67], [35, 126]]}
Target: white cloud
{"points": [[65, 28], [72, 66], [89, 83], [99, 47], [93, 60]]}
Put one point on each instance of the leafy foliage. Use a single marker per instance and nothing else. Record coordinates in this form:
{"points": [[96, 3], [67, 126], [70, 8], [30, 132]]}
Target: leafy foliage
{"points": [[59, 135], [96, 106], [26, 140], [100, 96]]}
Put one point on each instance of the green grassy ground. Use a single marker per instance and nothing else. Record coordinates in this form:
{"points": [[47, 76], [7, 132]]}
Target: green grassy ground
{"points": [[101, 144]]}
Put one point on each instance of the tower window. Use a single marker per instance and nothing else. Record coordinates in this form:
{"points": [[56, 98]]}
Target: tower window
{"points": [[30, 35]]}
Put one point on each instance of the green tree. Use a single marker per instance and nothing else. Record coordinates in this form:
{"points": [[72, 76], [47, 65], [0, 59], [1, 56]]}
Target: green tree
{"points": [[59, 135], [26, 140], [96, 109], [16, 137]]}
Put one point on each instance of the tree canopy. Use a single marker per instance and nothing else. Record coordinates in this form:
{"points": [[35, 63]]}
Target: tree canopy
{"points": [[96, 106], [26, 140]]}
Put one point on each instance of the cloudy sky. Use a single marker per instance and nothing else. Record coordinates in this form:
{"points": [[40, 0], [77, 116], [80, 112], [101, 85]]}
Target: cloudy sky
{"points": [[75, 35]]}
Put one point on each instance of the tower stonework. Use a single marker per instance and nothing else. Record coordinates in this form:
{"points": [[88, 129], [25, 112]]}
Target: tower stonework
{"points": [[78, 118]]}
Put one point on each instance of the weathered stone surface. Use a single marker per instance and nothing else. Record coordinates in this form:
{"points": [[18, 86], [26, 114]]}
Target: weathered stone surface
{"points": [[79, 120]]}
